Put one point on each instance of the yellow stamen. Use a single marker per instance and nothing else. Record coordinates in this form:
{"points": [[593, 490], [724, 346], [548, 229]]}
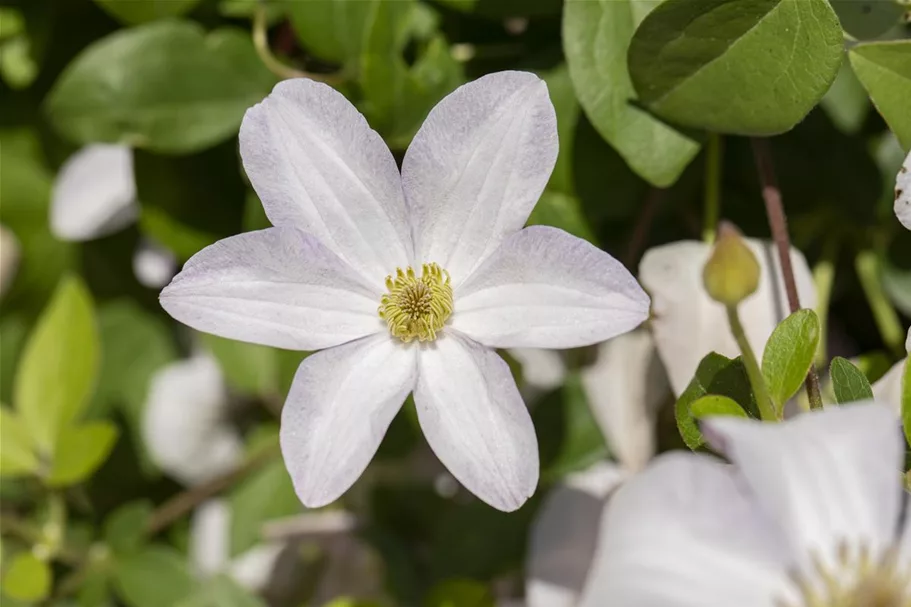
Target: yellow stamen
{"points": [[417, 308]]}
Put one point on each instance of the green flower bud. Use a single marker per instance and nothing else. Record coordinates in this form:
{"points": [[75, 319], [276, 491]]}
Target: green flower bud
{"points": [[732, 272]]}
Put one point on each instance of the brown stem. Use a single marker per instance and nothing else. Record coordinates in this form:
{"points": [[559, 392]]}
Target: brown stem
{"points": [[643, 226], [183, 503], [778, 223]]}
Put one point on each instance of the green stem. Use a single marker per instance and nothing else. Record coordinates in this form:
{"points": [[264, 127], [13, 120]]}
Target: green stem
{"points": [[824, 278], [712, 194], [261, 43], [890, 327], [767, 409]]}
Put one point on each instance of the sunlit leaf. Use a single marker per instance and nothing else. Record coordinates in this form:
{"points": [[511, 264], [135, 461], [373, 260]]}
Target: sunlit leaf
{"points": [[714, 404], [16, 452], [789, 354], [884, 68], [80, 451], [27, 578]]}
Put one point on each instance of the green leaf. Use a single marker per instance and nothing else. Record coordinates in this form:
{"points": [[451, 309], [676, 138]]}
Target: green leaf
{"points": [[133, 12], [846, 103], [17, 66], [16, 454], [906, 399], [59, 365], [330, 29], [249, 510], [460, 593], [182, 240], [867, 19], [753, 67], [788, 355], [596, 37], [80, 451], [562, 211], [154, 577], [248, 368], [884, 68], [849, 382], [719, 376], [221, 591], [124, 529], [164, 86], [714, 404], [576, 439], [27, 578]]}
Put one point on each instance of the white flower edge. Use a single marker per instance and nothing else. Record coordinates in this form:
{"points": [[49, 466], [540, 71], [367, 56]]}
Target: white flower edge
{"points": [[346, 219], [94, 194], [694, 531], [903, 193], [9, 258], [688, 325]]}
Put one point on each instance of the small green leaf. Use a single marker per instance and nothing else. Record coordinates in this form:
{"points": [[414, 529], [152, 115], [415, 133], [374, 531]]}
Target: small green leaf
{"points": [[16, 454], [716, 375], [906, 399], [133, 12], [846, 103], [730, 66], [867, 19], [789, 354], [332, 30], [849, 382], [460, 593], [124, 529], [249, 510], [164, 86], [27, 578], [154, 577], [884, 68], [221, 591], [59, 365], [714, 404], [596, 37], [80, 451]]}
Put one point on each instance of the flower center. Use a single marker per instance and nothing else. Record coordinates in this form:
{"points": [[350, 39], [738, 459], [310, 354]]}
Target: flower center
{"points": [[855, 579], [416, 308]]}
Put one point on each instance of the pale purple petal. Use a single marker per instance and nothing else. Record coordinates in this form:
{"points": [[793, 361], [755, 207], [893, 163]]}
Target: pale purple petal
{"points": [[277, 287], [685, 534], [477, 166], [337, 412], [318, 166], [544, 288], [475, 421], [828, 477]]}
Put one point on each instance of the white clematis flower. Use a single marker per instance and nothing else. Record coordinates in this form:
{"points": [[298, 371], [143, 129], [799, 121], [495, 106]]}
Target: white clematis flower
{"points": [[9, 258], [94, 194], [888, 389], [626, 387], [903, 193], [184, 423], [408, 281], [687, 324], [808, 515]]}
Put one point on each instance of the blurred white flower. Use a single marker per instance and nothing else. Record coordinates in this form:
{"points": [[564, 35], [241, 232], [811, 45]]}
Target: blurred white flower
{"points": [[888, 389], [210, 550], [903, 193], [185, 425], [9, 258], [153, 265], [439, 249], [94, 194], [625, 388], [542, 370], [810, 513], [687, 324]]}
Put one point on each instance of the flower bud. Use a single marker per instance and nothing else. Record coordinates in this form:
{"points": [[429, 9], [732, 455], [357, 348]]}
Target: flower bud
{"points": [[732, 272]]}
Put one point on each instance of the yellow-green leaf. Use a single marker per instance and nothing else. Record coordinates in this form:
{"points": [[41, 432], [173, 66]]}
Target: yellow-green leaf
{"points": [[16, 454], [27, 578], [789, 354], [80, 451]]}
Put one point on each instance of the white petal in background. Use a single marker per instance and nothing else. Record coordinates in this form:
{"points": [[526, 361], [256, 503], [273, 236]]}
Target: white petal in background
{"points": [[827, 477], [687, 324], [475, 421], [685, 534], [564, 535], [318, 166], [9, 258], [277, 287], [626, 386], [888, 388], [903, 194], [543, 370], [338, 410], [153, 265], [544, 288], [94, 194], [184, 422], [477, 166]]}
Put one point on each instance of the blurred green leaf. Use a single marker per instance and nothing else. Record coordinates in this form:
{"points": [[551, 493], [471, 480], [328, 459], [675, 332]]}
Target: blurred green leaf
{"points": [[124, 529], [59, 365], [561, 211], [714, 404], [846, 103], [866, 19], [13, 331], [566, 106], [11, 22], [17, 66], [849, 382], [500, 9], [133, 12], [716, 375], [732, 67], [249, 510], [163, 86], [582, 443], [330, 29], [95, 590], [248, 368], [460, 593], [788, 355], [156, 576], [80, 451], [16, 453], [897, 284], [182, 240], [884, 68], [596, 36], [221, 591], [27, 578]]}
